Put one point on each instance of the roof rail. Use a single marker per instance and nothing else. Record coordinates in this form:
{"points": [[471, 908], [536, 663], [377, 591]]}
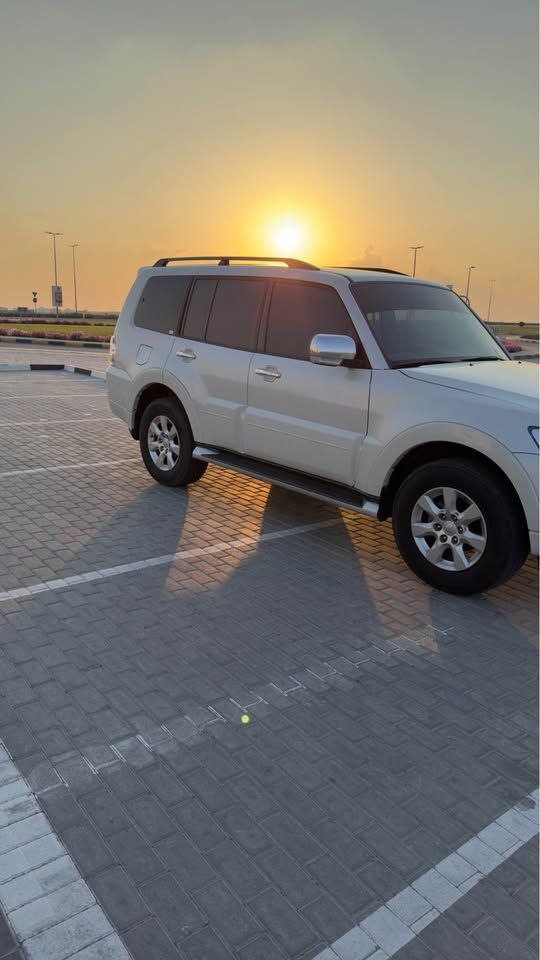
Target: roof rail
{"points": [[225, 261], [398, 273]]}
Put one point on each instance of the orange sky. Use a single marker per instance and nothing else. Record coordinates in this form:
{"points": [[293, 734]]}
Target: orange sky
{"points": [[141, 130]]}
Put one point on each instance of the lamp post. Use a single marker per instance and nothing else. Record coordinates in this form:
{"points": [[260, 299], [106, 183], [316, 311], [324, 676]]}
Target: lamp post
{"points": [[54, 235], [73, 245], [490, 298], [414, 261], [469, 282]]}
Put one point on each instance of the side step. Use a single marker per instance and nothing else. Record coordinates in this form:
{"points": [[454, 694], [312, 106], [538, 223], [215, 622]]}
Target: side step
{"points": [[325, 490]]}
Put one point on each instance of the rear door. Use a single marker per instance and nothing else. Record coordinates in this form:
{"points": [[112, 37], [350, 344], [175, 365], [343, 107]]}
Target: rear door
{"points": [[210, 359], [302, 415]]}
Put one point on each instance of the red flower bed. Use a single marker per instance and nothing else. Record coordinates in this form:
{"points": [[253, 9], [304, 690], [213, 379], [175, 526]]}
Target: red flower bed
{"points": [[511, 345]]}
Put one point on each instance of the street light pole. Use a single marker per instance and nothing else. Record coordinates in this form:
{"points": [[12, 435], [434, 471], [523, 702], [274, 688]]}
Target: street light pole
{"points": [[414, 261], [73, 245], [469, 282], [54, 235], [490, 297]]}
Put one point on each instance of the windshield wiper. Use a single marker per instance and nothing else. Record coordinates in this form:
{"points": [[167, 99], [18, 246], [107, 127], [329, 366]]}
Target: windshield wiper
{"points": [[427, 363], [478, 359]]}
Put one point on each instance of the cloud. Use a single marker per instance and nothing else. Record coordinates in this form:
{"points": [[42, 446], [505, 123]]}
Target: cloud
{"points": [[370, 258]]}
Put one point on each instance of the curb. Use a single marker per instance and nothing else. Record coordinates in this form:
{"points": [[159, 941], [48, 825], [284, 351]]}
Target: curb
{"points": [[26, 367], [89, 344]]}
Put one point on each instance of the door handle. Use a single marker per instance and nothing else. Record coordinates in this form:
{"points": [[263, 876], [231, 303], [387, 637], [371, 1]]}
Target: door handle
{"points": [[188, 354], [269, 373]]}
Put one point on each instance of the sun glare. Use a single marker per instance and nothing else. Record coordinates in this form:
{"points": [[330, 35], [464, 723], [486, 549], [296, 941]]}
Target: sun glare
{"points": [[287, 237]]}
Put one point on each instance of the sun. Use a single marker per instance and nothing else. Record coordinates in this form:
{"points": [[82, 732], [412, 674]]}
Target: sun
{"points": [[287, 237]]}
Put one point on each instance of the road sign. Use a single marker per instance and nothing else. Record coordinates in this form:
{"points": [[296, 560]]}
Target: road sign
{"points": [[56, 296], [34, 296]]}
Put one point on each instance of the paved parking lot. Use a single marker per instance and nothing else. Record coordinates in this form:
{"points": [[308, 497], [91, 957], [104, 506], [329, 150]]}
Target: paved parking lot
{"points": [[235, 725]]}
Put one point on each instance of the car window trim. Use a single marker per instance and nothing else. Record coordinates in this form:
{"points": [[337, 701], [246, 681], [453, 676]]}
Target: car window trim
{"points": [[361, 360]]}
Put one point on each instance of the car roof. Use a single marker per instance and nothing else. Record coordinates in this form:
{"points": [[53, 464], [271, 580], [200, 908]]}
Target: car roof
{"points": [[265, 267], [359, 274]]}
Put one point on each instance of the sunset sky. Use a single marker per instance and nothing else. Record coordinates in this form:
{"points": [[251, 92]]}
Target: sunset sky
{"points": [[354, 127]]}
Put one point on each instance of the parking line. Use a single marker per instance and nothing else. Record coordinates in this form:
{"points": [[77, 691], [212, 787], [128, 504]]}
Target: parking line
{"points": [[60, 396], [69, 466], [106, 572], [30, 423], [384, 932]]}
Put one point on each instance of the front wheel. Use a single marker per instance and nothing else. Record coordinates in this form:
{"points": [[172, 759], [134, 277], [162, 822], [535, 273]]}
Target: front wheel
{"points": [[166, 444], [458, 527]]}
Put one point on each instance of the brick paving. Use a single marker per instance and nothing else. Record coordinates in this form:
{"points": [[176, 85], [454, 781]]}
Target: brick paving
{"points": [[388, 723]]}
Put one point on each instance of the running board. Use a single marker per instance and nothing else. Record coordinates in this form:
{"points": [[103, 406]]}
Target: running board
{"points": [[290, 479]]}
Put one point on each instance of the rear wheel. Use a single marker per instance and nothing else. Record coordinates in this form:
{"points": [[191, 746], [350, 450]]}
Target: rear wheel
{"points": [[457, 526], [166, 444]]}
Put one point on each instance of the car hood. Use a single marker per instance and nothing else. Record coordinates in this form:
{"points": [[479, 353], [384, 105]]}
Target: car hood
{"points": [[506, 380]]}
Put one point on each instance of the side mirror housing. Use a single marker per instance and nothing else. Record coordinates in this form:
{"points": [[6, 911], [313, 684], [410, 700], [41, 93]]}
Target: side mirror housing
{"points": [[331, 350]]}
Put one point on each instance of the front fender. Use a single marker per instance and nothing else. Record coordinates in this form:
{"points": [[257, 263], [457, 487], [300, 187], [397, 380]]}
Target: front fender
{"points": [[477, 441]]}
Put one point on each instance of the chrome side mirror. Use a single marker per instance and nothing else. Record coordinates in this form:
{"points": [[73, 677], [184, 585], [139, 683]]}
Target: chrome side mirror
{"points": [[331, 350]]}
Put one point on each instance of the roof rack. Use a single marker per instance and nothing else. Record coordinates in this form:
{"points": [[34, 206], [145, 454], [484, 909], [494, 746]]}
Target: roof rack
{"points": [[398, 273], [225, 261]]}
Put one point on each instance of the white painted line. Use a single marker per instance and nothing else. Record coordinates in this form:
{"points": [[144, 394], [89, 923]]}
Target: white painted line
{"points": [[60, 396], [30, 423], [49, 905], [106, 572], [69, 466], [385, 931]]}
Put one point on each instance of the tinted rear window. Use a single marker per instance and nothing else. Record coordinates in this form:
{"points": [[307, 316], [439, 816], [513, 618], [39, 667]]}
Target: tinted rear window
{"points": [[162, 303], [298, 311], [235, 313], [199, 308]]}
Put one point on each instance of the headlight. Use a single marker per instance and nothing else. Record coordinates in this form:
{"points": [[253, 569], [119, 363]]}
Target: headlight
{"points": [[535, 434]]}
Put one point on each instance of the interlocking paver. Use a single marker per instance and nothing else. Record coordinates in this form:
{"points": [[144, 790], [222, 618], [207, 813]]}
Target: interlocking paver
{"points": [[284, 924], [147, 941], [41, 914], [119, 898], [399, 723]]}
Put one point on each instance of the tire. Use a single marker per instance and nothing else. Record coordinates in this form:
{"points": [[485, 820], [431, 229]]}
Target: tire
{"points": [[176, 466], [490, 548]]}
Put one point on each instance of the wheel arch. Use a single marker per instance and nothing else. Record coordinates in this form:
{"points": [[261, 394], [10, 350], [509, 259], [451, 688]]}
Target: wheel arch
{"points": [[152, 392], [424, 453]]}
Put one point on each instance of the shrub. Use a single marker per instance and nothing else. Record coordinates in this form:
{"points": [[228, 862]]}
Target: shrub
{"points": [[53, 335]]}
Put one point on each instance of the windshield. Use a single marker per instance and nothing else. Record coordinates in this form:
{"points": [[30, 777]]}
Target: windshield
{"points": [[414, 324]]}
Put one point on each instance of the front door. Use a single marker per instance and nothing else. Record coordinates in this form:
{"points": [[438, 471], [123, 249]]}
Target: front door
{"points": [[306, 416]]}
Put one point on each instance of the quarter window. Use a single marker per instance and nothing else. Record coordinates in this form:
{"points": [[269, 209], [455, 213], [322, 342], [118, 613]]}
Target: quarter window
{"points": [[162, 303], [297, 312]]}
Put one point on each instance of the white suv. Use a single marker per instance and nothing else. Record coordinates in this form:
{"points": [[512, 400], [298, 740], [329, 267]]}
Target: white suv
{"points": [[370, 389]]}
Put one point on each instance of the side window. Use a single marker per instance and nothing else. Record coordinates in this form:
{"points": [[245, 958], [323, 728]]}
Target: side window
{"points": [[298, 311], [199, 308], [161, 304], [235, 313]]}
